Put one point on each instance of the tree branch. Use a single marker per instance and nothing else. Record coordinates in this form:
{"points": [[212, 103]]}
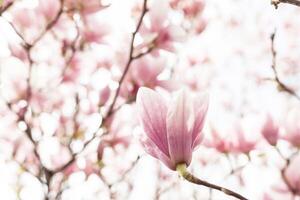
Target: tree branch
{"points": [[292, 2], [181, 169], [131, 58], [111, 107], [281, 86]]}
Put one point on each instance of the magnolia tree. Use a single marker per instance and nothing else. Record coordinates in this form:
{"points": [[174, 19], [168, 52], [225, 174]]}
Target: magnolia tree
{"points": [[148, 99]]}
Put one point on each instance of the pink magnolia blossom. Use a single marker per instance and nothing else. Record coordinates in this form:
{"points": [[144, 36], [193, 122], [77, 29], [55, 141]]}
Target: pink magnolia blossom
{"points": [[173, 129], [231, 138], [104, 95], [292, 128], [48, 8], [146, 72], [164, 33], [292, 175], [270, 131], [23, 18], [96, 28], [243, 143], [192, 8], [219, 141]]}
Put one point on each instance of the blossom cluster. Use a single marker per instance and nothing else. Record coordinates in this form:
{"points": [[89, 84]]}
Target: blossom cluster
{"points": [[87, 87]]}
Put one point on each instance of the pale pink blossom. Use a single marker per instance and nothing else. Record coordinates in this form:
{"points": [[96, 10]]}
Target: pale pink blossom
{"points": [[173, 129], [219, 141], [23, 18], [231, 138], [292, 175], [270, 131], [96, 28], [243, 143], [291, 131], [192, 8], [164, 33], [49, 8], [145, 72], [84, 7], [17, 51], [104, 95]]}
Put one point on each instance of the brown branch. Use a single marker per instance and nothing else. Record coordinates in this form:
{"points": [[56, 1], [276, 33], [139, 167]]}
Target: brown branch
{"points": [[283, 170], [131, 58], [111, 109], [48, 174], [181, 169], [127, 171], [292, 2], [51, 23], [238, 169], [281, 86]]}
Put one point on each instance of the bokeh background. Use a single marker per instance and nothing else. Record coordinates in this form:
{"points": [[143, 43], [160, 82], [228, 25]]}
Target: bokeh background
{"points": [[62, 135]]}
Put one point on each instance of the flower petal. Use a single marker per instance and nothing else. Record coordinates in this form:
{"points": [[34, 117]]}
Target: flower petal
{"points": [[200, 109], [180, 119], [151, 148], [152, 111]]}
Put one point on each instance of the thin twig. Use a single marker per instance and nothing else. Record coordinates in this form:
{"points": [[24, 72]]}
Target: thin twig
{"points": [[51, 23], [131, 58], [111, 109], [48, 174], [127, 171], [283, 170], [280, 84]]}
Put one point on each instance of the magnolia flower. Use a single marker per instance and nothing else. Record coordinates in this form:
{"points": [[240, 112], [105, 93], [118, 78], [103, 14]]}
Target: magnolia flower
{"points": [[270, 131], [173, 129], [292, 176]]}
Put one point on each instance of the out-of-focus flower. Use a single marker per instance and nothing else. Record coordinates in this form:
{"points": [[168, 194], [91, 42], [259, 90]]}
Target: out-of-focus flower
{"points": [[292, 128], [23, 19], [146, 72], [173, 129], [270, 131], [96, 28], [13, 78], [18, 51], [231, 138], [192, 8], [243, 143], [48, 8], [104, 95], [292, 175], [219, 141], [87, 166], [83, 7], [160, 29]]}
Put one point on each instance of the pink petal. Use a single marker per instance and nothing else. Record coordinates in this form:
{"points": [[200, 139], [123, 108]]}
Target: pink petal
{"points": [[197, 141], [152, 111], [152, 149], [180, 120], [200, 109]]}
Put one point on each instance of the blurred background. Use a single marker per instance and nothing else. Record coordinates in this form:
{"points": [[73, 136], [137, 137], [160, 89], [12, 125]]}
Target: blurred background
{"points": [[70, 71]]}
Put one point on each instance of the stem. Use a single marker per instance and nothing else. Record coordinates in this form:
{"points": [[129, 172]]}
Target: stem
{"points": [[280, 85], [292, 2], [182, 170]]}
